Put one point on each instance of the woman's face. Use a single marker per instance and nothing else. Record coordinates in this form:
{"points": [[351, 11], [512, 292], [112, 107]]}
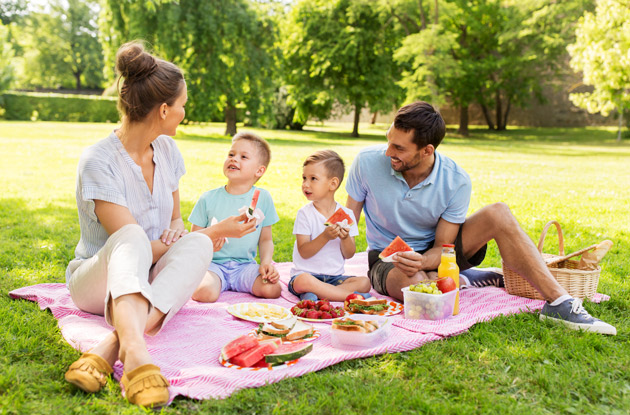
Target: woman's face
{"points": [[175, 113]]}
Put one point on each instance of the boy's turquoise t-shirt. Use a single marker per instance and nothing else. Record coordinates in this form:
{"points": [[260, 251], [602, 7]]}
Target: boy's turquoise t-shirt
{"points": [[220, 204]]}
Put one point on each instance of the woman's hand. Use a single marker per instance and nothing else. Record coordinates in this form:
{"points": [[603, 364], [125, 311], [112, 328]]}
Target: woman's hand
{"points": [[218, 243], [232, 227], [174, 232]]}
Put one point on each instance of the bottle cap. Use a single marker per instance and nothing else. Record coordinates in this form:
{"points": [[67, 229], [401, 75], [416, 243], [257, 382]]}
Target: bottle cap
{"points": [[448, 246]]}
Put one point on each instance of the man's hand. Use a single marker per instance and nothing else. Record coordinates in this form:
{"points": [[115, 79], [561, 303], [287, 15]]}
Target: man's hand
{"points": [[408, 262], [269, 273]]}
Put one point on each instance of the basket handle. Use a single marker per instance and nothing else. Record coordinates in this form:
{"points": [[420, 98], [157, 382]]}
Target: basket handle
{"points": [[544, 234]]}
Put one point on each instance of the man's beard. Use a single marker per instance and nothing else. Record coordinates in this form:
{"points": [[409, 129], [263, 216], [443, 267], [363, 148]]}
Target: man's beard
{"points": [[403, 166]]}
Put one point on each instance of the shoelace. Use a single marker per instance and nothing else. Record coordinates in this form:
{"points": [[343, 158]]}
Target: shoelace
{"points": [[576, 307]]}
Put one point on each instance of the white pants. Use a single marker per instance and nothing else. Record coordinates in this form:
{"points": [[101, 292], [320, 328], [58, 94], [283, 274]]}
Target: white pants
{"points": [[123, 266]]}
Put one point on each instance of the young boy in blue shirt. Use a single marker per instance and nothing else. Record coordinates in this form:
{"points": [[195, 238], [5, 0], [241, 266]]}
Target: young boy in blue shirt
{"points": [[234, 266]]}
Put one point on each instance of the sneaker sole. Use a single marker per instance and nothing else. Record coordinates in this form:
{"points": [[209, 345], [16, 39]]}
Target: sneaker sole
{"points": [[610, 330]]}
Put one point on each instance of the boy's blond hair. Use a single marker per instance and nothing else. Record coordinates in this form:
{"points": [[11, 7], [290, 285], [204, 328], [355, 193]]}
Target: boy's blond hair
{"points": [[262, 146], [332, 162]]}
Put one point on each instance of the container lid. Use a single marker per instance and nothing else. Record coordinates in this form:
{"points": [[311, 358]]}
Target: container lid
{"points": [[448, 246]]}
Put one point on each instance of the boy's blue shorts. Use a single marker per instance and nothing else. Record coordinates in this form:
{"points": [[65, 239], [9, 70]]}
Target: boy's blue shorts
{"points": [[236, 276], [328, 279]]}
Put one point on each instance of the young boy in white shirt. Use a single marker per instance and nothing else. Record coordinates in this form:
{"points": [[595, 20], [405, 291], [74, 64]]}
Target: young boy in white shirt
{"points": [[234, 266], [320, 251]]}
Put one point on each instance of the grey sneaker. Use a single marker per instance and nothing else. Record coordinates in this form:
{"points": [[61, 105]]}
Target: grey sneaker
{"points": [[483, 277], [573, 315]]}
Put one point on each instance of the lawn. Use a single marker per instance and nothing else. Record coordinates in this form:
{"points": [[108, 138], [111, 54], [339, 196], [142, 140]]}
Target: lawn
{"points": [[516, 364]]}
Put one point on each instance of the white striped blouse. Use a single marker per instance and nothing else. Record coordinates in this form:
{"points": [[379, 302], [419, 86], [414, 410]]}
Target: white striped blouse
{"points": [[107, 172]]}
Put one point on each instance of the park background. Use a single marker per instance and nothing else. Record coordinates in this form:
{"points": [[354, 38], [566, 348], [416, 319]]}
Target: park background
{"points": [[533, 92]]}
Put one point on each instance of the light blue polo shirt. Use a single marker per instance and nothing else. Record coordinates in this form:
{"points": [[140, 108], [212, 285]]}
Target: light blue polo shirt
{"points": [[393, 209], [220, 204]]}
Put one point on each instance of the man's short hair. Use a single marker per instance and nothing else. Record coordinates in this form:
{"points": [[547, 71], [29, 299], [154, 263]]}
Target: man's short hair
{"points": [[262, 146], [427, 124], [332, 162]]}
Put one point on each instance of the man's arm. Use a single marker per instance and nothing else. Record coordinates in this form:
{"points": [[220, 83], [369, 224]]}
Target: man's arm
{"points": [[355, 207]]}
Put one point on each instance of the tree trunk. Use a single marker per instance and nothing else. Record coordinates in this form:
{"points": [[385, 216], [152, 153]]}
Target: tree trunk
{"points": [[463, 120], [423, 17], [77, 77], [436, 12], [507, 112], [499, 110], [373, 120], [357, 115], [486, 115], [230, 120], [620, 124]]}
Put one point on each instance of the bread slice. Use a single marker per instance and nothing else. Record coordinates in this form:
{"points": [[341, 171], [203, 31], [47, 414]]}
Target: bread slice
{"points": [[368, 301], [299, 331], [348, 324], [285, 324], [270, 329]]}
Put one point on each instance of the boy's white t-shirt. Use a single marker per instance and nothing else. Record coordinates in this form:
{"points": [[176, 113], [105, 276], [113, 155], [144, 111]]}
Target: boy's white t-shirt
{"points": [[329, 260]]}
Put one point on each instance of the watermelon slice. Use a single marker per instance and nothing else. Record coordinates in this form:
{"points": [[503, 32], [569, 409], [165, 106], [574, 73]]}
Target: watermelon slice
{"points": [[238, 346], [252, 206], [397, 245], [288, 352], [339, 216], [250, 357]]}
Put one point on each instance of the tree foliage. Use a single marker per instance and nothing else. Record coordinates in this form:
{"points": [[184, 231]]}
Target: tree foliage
{"points": [[6, 55], [339, 51], [225, 48], [602, 53]]}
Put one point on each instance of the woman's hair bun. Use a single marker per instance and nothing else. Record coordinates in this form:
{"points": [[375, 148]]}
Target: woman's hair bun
{"points": [[133, 63]]}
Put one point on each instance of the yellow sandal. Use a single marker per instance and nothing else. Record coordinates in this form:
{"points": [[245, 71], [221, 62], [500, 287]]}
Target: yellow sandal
{"points": [[145, 386], [89, 372]]}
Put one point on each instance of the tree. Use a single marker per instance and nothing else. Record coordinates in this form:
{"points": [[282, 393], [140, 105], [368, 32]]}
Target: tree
{"points": [[224, 46], [601, 53], [6, 54], [340, 51], [62, 46], [12, 10]]}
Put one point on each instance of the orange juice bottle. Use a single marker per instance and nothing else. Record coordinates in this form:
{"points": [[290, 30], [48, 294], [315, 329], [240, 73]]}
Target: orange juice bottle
{"points": [[448, 268]]}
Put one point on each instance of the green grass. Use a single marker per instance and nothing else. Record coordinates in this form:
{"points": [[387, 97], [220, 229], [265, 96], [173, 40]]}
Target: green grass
{"points": [[516, 364]]}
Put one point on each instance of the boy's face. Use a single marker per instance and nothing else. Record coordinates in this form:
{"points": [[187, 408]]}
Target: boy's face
{"points": [[316, 184], [243, 163]]}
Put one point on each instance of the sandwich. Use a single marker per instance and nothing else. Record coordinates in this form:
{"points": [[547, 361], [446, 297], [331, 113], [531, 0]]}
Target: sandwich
{"points": [[371, 305], [348, 324], [288, 329]]}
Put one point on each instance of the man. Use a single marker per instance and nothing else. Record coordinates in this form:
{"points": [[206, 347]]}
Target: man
{"points": [[408, 189]]}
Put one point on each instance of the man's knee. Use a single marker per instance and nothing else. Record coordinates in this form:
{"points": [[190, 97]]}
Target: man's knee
{"points": [[501, 216]]}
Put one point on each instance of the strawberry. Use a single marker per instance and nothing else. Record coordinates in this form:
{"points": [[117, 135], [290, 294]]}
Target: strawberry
{"points": [[312, 314], [325, 307], [333, 313], [325, 315], [309, 304], [301, 304], [340, 311]]}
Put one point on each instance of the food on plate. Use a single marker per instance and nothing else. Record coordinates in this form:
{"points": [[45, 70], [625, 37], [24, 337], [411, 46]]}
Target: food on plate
{"points": [[361, 326], [371, 305], [266, 311], [339, 216], [251, 356], [252, 206], [446, 284], [288, 352], [427, 287], [397, 245], [238, 346], [317, 310], [289, 329]]}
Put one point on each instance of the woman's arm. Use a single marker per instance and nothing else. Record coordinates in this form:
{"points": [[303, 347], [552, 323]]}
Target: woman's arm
{"points": [[113, 217]]}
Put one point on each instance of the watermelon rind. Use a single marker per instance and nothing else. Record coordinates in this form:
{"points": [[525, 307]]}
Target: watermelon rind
{"points": [[288, 352], [397, 245], [339, 216]]}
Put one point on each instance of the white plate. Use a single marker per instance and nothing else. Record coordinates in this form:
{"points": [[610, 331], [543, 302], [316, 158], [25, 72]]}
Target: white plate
{"points": [[227, 364], [259, 312], [394, 308]]}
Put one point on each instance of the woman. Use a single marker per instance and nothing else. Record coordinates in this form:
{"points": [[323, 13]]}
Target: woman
{"points": [[135, 263]]}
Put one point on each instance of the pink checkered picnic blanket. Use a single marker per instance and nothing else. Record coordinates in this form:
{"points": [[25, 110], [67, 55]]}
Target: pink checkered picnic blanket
{"points": [[187, 349]]}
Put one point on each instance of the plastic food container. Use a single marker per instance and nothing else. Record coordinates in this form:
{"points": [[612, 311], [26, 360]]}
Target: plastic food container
{"points": [[423, 306], [353, 339]]}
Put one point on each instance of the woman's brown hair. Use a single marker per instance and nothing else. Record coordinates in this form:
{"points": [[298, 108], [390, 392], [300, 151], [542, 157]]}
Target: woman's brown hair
{"points": [[148, 81]]}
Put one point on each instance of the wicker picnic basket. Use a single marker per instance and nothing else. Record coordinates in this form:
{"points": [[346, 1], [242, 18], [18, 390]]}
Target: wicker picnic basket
{"points": [[580, 283]]}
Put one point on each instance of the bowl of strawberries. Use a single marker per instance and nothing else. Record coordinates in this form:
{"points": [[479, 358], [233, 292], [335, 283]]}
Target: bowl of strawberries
{"points": [[316, 311]]}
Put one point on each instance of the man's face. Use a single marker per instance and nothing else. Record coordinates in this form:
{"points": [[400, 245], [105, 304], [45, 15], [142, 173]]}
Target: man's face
{"points": [[403, 152]]}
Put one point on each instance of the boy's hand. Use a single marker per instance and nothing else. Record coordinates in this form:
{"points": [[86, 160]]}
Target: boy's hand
{"points": [[234, 227], [343, 232], [269, 273], [331, 232]]}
